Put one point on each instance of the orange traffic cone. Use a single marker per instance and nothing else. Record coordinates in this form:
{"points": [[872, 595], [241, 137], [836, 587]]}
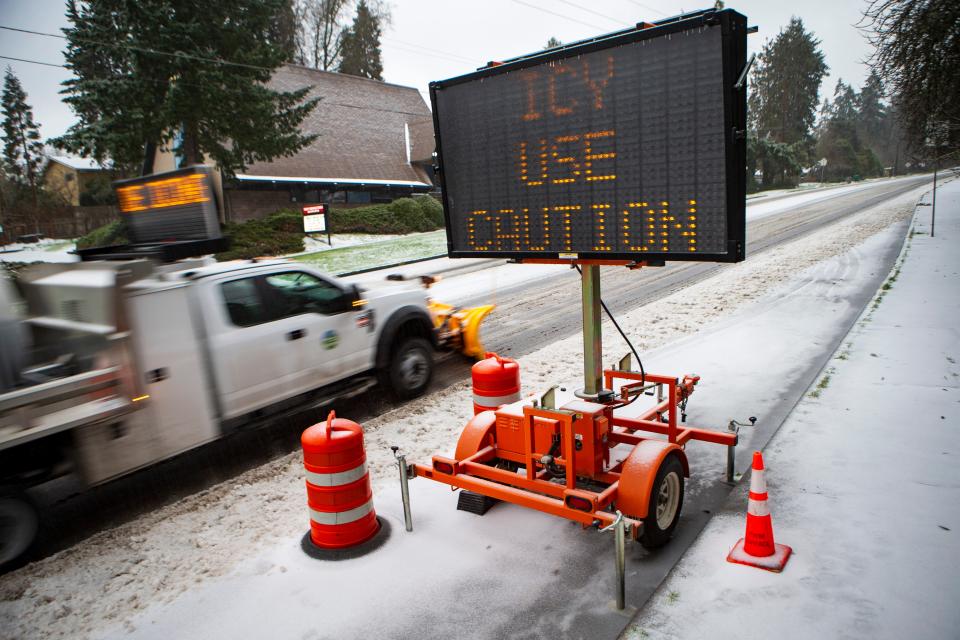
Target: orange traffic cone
{"points": [[757, 548]]}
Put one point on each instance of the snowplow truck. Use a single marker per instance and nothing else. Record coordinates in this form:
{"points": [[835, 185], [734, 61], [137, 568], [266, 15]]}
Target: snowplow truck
{"points": [[110, 366]]}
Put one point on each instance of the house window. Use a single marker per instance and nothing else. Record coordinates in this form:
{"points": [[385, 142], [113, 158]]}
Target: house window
{"points": [[358, 197]]}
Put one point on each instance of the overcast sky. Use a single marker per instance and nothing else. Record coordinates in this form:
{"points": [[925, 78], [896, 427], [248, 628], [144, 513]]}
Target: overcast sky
{"points": [[436, 39]]}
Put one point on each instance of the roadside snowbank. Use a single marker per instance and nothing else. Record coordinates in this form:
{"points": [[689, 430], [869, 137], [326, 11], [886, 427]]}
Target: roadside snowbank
{"points": [[863, 479], [113, 575]]}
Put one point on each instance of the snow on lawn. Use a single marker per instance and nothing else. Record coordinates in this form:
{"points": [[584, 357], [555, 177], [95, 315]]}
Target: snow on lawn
{"points": [[863, 479], [373, 254], [46, 250], [113, 575]]}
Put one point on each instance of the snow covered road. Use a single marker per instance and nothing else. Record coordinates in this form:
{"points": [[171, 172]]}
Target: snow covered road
{"points": [[764, 327]]}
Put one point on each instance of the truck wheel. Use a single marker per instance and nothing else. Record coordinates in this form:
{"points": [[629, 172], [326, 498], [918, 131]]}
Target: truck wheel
{"points": [[19, 524], [666, 501], [411, 368]]}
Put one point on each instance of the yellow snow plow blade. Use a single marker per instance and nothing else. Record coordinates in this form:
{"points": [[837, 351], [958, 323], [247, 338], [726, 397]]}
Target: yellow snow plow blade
{"points": [[460, 328]]}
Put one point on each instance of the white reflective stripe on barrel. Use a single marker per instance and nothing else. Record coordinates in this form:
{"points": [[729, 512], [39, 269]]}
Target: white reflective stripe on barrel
{"points": [[341, 517], [336, 479], [495, 401]]}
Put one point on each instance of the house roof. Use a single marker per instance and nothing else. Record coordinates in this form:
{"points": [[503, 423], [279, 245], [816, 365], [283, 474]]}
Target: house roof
{"points": [[80, 164], [360, 128]]}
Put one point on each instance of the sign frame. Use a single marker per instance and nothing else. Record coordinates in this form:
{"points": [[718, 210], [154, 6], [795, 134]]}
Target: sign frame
{"points": [[734, 31], [314, 214], [176, 222]]}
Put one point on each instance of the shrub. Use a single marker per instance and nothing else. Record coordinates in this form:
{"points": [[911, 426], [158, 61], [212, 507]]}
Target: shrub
{"points": [[410, 214], [432, 209], [278, 234], [109, 234], [404, 215]]}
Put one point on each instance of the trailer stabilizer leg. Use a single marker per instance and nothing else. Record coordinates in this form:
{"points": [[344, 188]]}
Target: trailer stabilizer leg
{"points": [[405, 472], [620, 527]]}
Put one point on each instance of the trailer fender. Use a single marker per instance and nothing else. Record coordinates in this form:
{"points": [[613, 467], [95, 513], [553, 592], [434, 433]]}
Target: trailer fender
{"points": [[640, 470], [476, 435]]}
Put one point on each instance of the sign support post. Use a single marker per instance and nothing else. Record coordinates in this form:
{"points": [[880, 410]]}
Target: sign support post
{"points": [[592, 338]]}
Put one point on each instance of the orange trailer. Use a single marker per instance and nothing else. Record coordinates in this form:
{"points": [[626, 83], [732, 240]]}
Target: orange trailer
{"points": [[563, 461]]}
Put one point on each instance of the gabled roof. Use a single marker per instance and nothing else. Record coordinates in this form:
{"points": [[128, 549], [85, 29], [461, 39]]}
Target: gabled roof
{"points": [[360, 128], [80, 164]]}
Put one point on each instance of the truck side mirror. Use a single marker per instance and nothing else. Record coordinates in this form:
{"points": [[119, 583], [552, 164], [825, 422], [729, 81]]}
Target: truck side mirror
{"points": [[354, 298]]}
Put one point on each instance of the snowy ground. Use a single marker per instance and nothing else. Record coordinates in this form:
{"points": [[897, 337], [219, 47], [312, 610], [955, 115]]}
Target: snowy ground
{"points": [[46, 250], [234, 538], [863, 479]]}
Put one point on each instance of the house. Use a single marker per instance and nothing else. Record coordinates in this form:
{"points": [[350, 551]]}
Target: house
{"points": [[374, 144], [76, 180]]}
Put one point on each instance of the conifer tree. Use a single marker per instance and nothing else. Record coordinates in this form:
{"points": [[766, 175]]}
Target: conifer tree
{"points": [[153, 72], [22, 149], [783, 101], [360, 54]]}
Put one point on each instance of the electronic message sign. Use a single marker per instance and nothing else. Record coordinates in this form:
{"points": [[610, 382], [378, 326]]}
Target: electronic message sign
{"points": [[629, 146], [170, 207]]}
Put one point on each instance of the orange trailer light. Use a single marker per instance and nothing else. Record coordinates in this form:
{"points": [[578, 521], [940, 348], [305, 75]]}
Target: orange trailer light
{"points": [[579, 503], [443, 466]]}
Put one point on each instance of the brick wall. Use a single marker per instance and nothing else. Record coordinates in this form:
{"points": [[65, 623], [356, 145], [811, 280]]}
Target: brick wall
{"points": [[245, 205]]}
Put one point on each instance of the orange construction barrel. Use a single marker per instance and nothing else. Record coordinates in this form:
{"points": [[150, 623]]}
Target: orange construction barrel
{"points": [[338, 485], [496, 382]]}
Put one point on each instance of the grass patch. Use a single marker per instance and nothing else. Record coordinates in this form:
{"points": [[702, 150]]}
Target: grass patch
{"points": [[673, 596], [823, 383], [57, 246], [373, 254]]}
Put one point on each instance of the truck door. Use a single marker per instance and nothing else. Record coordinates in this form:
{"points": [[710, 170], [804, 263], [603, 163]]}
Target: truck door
{"points": [[336, 338]]}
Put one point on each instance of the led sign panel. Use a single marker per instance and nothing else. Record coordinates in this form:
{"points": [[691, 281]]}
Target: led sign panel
{"points": [[169, 207], [629, 146]]}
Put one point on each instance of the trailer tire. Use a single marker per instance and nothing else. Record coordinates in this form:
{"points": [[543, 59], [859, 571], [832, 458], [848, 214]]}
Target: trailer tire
{"points": [[411, 368], [666, 502], [19, 525]]}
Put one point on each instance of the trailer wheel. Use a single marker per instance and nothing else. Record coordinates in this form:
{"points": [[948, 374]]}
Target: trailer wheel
{"points": [[411, 368], [19, 523], [666, 501]]}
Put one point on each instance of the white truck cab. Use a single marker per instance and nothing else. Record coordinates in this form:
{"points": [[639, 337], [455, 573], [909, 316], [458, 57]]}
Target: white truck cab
{"points": [[114, 365]]}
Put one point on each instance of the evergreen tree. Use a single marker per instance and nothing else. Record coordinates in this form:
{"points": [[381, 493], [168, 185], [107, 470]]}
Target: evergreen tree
{"points": [[150, 72], [841, 142], [871, 111], [784, 86], [361, 45], [283, 31], [22, 149], [917, 56]]}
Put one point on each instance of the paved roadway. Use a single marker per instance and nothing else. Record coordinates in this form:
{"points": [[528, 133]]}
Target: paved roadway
{"points": [[530, 315], [519, 574]]}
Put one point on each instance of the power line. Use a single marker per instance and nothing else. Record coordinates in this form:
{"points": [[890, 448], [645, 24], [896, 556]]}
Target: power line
{"points": [[647, 7], [559, 15], [193, 84], [182, 55], [588, 10], [46, 64], [430, 49]]}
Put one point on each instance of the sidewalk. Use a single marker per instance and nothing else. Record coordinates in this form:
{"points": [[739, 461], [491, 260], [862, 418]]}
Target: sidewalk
{"points": [[864, 481]]}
